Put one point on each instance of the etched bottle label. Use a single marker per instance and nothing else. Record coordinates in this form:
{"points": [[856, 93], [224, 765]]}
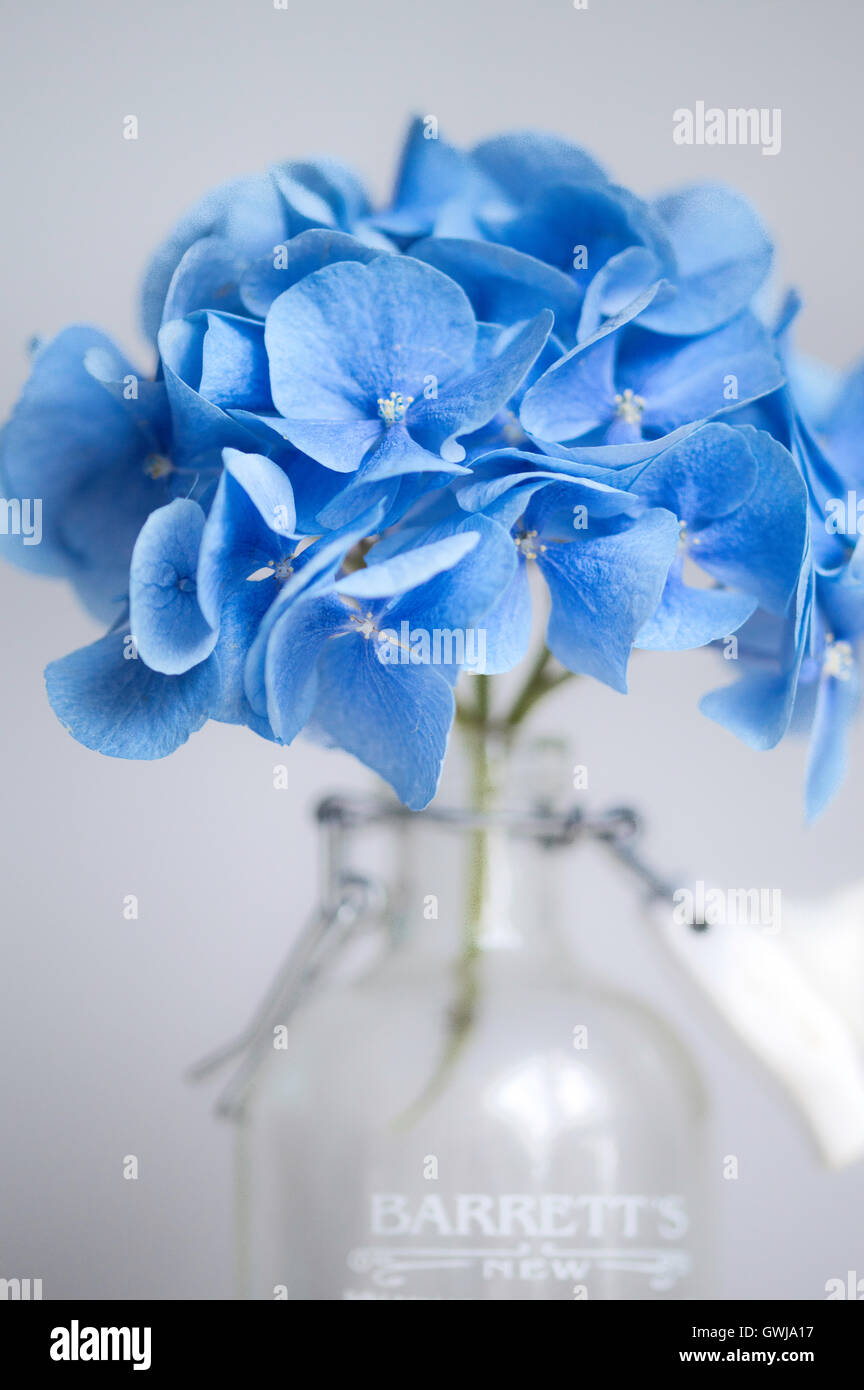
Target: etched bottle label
{"points": [[429, 1241]]}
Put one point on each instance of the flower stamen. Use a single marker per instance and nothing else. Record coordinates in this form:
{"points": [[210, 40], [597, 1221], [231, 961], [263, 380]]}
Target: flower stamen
{"points": [[629, 407], [158, 466], [392, 408], [528, 545], [280, 570], [839, 659], [365, 625]]}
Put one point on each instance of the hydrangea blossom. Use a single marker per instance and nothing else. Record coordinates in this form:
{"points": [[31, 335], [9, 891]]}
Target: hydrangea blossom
{"points": [[369, 428]]}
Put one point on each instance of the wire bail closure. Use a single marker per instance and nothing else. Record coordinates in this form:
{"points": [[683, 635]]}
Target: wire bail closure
{"points": [[353, 897]]}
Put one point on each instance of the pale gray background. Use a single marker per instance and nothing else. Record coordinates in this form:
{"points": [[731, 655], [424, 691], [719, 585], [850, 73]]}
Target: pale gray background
{"points": [[100, 1015]]}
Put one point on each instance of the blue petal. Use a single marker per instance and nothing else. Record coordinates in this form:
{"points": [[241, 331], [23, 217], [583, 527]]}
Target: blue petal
{"points": [[623, 278], [409, 568], [461, 595], [246, 213], [701, 478], [577, 393], [207, 277], [64, 428], [723, 256], [243, 533], [467, 404], [828, 756], [760, 546], [432, 174], [314, 577], [509, 622], [841, 596], [77, 448], [264, 281], [504, 286], [295, 642], [338, 185], [171, 631], [602, 219], [521, 162], [688, 617], [100, 529], [144, 402], [239, 618], [119, 706], [394, 718], [605, 586], [344, 508], [816, 389], [758, 707], [319, 193], [844, 428], [688, 381], [350, 334], [340, 445], [612, 461], [234, 370], [313, 485], [202, 429], [397, 452], [267, 487], [505, 481], [241, 536]]}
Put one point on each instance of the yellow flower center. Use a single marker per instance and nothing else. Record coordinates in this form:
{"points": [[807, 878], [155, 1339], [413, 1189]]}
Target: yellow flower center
{"points": [[392, 408], [839, 659], [629, 407], [527, 545], [158, 466]]}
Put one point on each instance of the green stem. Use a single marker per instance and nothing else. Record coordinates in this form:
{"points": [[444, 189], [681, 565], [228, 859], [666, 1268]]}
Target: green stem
{"points": [[538, 683], [463, 1010], [477, 722], [533, 683]]}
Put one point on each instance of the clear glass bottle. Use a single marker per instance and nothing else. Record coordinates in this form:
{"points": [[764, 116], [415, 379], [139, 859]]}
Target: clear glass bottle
{"points": [[467, 1114]]}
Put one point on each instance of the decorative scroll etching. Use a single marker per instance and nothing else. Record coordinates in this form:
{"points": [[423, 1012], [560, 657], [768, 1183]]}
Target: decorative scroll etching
{"points": [[390, 1267]]}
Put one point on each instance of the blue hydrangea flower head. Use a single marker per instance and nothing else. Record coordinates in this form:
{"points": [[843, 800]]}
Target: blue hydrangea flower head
{"points": [[384, 450]]}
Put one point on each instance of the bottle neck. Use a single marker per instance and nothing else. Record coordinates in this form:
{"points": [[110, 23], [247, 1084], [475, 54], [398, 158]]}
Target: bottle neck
{"points": [[475, 873]]}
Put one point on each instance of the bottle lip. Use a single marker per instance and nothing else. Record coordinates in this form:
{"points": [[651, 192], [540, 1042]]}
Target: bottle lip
{"points": [[349, 810]]}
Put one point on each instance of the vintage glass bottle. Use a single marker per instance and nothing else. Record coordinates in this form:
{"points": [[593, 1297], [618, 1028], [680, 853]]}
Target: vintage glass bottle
{"points": [[458, 1110]]}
